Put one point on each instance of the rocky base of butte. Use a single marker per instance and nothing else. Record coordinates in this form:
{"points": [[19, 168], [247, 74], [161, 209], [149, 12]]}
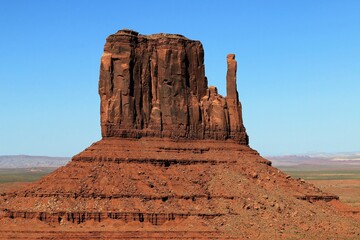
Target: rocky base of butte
{"points": [[174, 162]]}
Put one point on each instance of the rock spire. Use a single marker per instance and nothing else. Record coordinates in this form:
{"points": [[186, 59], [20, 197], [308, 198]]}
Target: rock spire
{"points": [[155, 86]]}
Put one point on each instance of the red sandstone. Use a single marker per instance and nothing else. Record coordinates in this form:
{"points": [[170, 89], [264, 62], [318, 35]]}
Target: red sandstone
{"points": [[174, 162]]}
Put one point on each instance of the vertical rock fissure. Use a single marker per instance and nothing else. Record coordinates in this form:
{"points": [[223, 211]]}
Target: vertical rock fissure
{"points": [[156, 86]]}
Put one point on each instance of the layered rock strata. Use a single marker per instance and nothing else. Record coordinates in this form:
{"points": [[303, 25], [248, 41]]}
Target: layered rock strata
{"points": [[157, 181], [156, 86]]}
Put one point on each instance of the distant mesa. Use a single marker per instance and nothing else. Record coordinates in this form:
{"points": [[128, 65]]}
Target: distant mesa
{"points": [[24, 161]]}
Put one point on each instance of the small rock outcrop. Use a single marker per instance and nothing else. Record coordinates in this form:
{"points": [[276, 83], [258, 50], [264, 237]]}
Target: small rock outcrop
{"points": [[156, 86]]}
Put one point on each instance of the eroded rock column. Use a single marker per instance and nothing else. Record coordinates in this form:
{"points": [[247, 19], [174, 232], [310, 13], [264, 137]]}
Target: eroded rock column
{"points": [[155, 86], [236, 127]]}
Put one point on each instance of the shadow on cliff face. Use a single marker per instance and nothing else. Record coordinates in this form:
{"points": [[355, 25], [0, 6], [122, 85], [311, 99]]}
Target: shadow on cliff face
{"points": [[156, 86]]}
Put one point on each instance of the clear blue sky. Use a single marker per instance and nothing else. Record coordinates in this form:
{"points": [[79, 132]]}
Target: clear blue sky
{"points": [[298, 68]]}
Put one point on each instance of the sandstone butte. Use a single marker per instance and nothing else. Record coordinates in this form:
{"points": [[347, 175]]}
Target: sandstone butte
{"points": [[174, 162]]}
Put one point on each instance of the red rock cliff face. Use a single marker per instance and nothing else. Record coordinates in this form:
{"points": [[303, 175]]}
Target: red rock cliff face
{"points": [[156, 86]]}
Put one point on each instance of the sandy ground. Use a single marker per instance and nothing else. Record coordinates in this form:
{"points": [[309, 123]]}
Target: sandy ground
{"points": [[9, 187], [347, 190]]}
